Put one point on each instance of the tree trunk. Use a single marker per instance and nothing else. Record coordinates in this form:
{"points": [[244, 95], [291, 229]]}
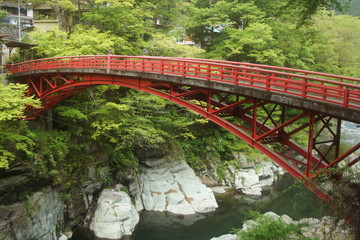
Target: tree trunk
{"points": [[65, 18]]}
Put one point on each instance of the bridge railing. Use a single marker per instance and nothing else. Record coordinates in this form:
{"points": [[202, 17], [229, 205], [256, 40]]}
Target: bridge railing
{"points": [[340, 90]]}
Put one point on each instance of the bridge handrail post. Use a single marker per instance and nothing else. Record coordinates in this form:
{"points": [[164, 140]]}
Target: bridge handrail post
{"points": [[183, 69], [235, 75], [346, 97], [267, 83], [162, 66], [304, 87], [108, 63], [208, 72]]}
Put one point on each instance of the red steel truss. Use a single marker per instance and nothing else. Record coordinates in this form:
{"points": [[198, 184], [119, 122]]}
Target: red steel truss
{"points": [[270, 127]]}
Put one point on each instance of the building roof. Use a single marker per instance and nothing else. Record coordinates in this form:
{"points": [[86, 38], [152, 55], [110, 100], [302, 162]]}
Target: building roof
{"points": [[13, 44]]}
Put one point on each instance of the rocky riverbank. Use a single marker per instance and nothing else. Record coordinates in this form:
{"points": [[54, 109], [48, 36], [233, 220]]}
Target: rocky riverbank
{"points": [[322, 229], [159, 184], [165, 185]]}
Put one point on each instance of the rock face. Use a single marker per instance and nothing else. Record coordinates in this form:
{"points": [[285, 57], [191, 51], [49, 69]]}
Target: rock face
{"points": [[249, 177], [35, 218], [115, 216], [171, 187], [251, 180]]}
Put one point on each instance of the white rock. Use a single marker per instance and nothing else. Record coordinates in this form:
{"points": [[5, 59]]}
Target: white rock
{"points": [[248, 225], [272, 215], [204, 201], [286, 219], [225, 237], [251, 180], [63, 237], [246, 178], [220, 189], [115, 216], [266, 170], [172, 188], [252, 191], [309, 221]]}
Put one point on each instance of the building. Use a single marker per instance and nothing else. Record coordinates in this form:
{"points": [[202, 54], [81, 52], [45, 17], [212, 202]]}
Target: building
{"points": [[13, 26]]}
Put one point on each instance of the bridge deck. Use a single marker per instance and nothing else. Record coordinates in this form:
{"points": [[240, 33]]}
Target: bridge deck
{"points": [[334, 95]]}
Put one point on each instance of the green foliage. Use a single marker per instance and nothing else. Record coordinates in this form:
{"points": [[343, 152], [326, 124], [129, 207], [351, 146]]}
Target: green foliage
{"points": [[351, 7], [14, 101], [162, 45], [56, 43], [218, 147], [2, 14], [14, 137], [310, 7], [15, 141], [268, 32], [267, 228], [129, 20], [336, 42]]}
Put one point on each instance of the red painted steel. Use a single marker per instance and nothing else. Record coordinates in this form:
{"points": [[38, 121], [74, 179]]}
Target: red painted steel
{"points": [[340, 90], [266, 126]]}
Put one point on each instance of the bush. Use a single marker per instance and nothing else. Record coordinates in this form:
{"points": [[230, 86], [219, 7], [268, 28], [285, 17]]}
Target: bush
{"points": [[267, 228]]}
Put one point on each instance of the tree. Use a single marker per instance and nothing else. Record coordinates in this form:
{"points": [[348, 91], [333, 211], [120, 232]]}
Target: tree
{"points": [[82, 41], [311, 7], [336, 44], [130, 20], [351, 7], [207, 26], [163, 45], [249, 31], [13, 137], [14, 102]]}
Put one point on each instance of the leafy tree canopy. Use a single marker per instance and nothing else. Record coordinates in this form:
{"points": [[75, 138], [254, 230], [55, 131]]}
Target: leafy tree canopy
{"points": [[13, 103], [13, 133], [162, 45], [82, 41]]}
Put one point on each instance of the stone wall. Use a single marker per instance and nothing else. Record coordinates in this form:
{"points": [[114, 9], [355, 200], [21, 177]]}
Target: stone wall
{"points": [[11, 30]]}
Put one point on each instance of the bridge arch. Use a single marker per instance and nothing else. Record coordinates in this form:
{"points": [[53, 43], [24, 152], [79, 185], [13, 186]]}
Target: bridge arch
{"points": [[219, 90]]}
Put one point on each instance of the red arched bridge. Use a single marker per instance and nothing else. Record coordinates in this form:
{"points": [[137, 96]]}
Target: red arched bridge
{"points": [[268, 107]]}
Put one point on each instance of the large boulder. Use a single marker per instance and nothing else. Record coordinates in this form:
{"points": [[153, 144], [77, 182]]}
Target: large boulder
{"points": [[115, 215], [171, 187]]}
